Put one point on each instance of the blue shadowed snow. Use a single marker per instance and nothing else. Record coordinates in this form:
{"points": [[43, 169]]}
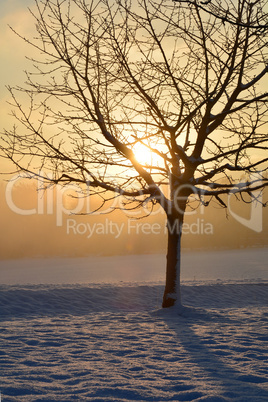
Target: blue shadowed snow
{"points": [[113, 342]]}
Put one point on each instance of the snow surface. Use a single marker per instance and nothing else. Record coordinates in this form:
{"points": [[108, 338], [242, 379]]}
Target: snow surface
{"points": [[246, 264], [70, 334]]}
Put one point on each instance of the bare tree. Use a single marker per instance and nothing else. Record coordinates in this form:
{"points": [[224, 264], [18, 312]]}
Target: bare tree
{"points": [[166, 75], [226, 12]]}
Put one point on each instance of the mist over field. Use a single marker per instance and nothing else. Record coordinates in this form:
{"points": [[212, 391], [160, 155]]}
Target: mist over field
{"points": [[50, 228]]}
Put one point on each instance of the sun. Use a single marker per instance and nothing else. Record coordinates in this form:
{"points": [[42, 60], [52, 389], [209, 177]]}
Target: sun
{"points": [[143, 154]]}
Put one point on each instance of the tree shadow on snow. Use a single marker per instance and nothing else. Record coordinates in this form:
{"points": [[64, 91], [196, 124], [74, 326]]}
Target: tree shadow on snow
{"points": [[211, 339]]}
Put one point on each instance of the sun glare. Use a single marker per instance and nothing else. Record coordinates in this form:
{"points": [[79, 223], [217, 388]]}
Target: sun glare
{"points": [[143, 154]]}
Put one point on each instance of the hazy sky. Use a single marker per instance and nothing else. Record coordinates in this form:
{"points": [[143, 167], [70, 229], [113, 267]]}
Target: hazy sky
{"points": [[12, 55], [37, 232], [16, 14]]}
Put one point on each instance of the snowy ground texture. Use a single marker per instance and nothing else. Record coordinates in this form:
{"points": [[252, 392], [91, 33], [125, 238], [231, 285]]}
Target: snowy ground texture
{"points": [[112, 342]]}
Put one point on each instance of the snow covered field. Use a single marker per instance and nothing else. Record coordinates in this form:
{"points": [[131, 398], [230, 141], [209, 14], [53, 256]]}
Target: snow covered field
{"points": [[93, 330]]}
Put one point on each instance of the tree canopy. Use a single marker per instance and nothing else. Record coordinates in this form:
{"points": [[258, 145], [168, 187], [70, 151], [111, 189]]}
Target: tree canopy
{"points": [[113, 79], [167, 76]]}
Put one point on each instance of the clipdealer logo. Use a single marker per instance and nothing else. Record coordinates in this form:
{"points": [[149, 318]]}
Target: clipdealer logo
{"points": [[54, 204], [255, 220], [115, 229]]}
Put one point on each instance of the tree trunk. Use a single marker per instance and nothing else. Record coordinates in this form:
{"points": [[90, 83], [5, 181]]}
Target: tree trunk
{"points": [[172, 294]]}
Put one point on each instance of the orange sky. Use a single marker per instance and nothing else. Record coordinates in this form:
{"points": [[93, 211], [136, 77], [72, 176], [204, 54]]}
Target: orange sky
{"points": [[40, 233]]}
